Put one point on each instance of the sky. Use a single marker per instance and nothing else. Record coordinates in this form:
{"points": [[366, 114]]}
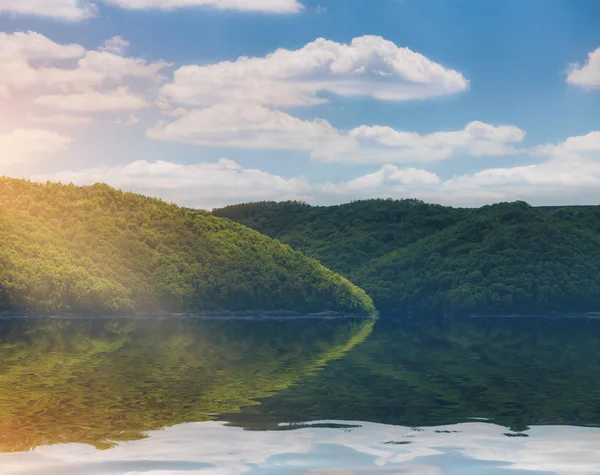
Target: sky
{"points": [[207, 103]]}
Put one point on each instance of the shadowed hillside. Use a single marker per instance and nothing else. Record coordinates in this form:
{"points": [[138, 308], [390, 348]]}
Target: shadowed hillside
{"points": [[414, 258]]}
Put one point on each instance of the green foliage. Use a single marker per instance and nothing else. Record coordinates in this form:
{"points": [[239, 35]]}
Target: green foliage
{"points": [[101, 381], [348, 236], [416, 259], [96, 249]]}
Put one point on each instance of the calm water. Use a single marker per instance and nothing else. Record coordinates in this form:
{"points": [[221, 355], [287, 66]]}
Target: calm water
{"points": [[473, 396]]}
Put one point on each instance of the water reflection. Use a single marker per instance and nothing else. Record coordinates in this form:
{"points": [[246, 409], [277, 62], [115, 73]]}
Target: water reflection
{"points": [[242, 396], [101, 381], [212, 448], [513, 372]]}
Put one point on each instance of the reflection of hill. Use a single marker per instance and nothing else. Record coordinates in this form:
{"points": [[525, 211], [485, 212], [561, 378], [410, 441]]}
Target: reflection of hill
{"points": [[515, 372], [97, 381]]}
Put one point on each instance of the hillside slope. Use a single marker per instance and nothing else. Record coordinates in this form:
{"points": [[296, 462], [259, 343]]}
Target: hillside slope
{"points": [[347, 236], [96, 249], [506, 258], [415, 259]]}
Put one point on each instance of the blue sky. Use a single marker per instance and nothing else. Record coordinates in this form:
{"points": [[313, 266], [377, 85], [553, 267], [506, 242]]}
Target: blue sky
{"points": [[380, 106]]}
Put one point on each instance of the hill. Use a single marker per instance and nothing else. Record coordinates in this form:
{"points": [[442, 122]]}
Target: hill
{"points": [[348, 236], [95, 249], [414, 258]]}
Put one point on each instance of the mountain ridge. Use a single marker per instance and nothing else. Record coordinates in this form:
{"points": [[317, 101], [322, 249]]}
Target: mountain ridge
{"points": [[416, 258]]}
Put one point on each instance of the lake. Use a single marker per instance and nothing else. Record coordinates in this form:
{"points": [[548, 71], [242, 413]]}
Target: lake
{"points": [[294, 396]]}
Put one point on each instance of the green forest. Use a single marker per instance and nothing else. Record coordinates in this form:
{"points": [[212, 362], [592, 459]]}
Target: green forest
{"points": [[417, 259], [94, 249]]}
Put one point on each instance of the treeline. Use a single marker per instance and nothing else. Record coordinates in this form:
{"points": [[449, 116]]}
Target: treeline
{"points": [[418, 259], [94, 249]]}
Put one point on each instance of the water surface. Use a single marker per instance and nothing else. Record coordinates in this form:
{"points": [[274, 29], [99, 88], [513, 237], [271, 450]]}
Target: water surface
{"points": [[321, 396]]}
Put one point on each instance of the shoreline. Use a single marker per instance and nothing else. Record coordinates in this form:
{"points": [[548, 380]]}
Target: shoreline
{"points": [[275, 315]]}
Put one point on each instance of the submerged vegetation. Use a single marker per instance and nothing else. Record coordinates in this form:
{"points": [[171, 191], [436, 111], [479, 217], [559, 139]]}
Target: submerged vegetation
{"points": [[417, 259], [99, 381], [95, 249]]}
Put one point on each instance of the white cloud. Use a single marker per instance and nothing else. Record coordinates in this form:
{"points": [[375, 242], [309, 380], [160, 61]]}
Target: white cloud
{"points": [[389, 180], [23, 145], [127, 121], [369, 66], [27, 61], [121, 99], [571, 172], [77, 10], [574, 147], [30, 45], [73, 10], [204, 185], [246, 126], [588, 74], [116, 44], [259, 127], [476, 139], [209, 185], [265, 6], [95, 69], [61, 119], [553, 174]]}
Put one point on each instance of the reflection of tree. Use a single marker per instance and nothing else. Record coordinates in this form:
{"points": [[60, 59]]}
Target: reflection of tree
{"points": [[515, 372], [98, 381]]}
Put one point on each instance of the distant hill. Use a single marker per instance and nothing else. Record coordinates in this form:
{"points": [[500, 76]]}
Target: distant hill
{"points": [[68, 249], [415, 258]]}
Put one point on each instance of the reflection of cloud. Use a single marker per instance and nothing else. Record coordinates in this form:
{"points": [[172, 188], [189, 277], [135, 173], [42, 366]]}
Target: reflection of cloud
{"points": [[213, 448]]}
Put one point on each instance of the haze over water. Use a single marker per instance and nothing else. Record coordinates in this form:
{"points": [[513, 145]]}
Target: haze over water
{"points": [[321, 396]]}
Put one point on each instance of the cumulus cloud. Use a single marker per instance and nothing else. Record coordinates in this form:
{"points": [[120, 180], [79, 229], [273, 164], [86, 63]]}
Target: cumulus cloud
{"points": [[570, 172], [245, 126], [203, 185], [259, 127], [23, 145], [121, 99], [574, 147], [116, 44], [30, 45], [61, 119], [388, 180], [588, 74], [26, 61], [72, 10], [209, 185], [476, 139], [368, 66]]}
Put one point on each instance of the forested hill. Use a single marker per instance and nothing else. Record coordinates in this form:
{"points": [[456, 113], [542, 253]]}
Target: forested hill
{"points": [[345, 237], [415, 258], [94, 249]]}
